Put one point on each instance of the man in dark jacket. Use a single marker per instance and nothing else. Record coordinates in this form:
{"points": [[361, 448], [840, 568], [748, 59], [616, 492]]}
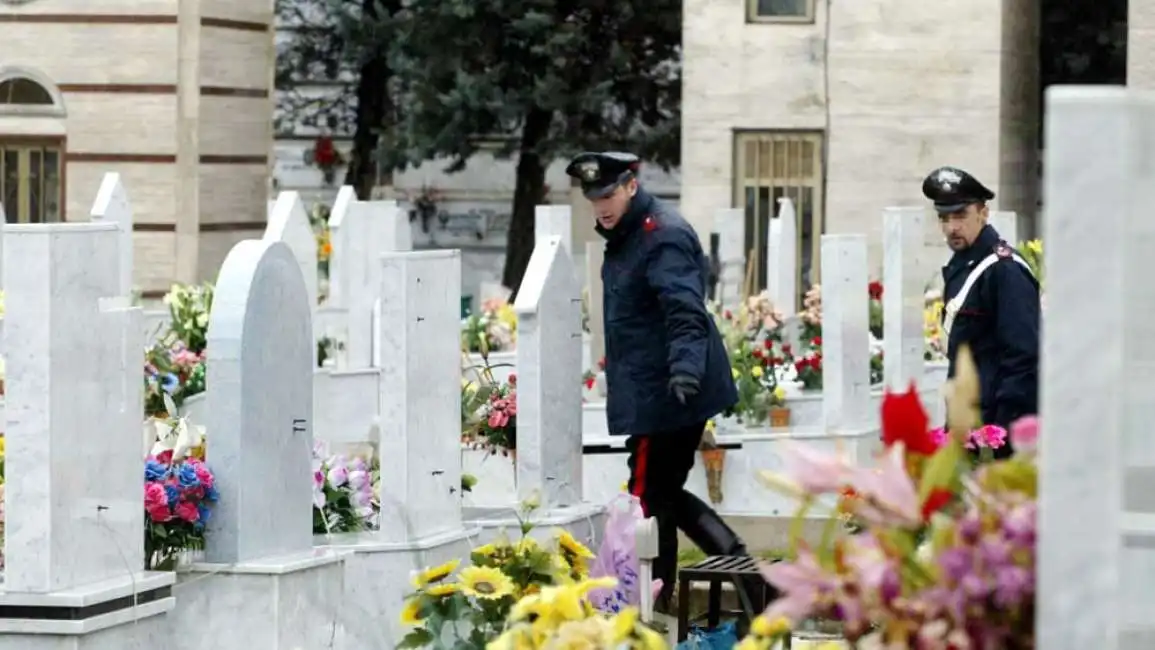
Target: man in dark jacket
{"points": [[666, 366], [992, 300]]}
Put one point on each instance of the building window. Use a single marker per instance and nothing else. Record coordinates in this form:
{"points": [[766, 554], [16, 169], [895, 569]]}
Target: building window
{"points": [[31, 183], [771, 165], [24, 92], [780, 11]]}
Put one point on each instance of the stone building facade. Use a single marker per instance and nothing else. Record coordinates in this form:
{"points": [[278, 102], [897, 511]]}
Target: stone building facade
{"points": [[172, 94], [845, 105]]}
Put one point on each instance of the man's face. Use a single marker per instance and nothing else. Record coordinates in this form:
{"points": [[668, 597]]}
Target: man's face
{"points": [[610, 209], [962, 228]]}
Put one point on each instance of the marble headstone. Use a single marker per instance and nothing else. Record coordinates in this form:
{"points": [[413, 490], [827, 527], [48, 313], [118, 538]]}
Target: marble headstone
{"points": [[1006, 223], [903, 299], [289, 224], [595, 256], [344, 242], [554, 221], [112, 206], [845, 333], [549, 357], [420, 394], [259, 407], [1096, 563], [782, 259], [730, 224], [74, 398]]}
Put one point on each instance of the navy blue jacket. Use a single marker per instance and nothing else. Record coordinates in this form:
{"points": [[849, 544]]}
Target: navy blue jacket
{"points": [[656, 323], [1000, 321]]}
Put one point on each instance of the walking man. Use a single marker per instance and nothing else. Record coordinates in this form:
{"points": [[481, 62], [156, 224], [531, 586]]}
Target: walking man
{"points": [[666, 366], [992, 300]]}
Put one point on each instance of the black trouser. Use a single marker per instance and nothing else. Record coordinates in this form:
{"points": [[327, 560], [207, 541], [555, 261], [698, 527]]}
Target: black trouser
{"points": [[659, 465]]}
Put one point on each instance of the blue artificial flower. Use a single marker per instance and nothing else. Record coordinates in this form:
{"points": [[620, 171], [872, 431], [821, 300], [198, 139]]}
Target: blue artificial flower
{"points": [[169, 382], [212, 495], [188, 476], [204, 512], [154, 471], [172, 494]]}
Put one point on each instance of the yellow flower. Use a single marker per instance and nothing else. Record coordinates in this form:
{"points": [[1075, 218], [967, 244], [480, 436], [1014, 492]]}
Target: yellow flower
{"points": [[711, 426], [411, 612], [763, 626], [2, 445], [779, 393], [756, 371], [442, 590], [570, 545], [435, 574], [624, 624], [734, 373], [486, 550], [512, 639], [625, 486], [485, 583]]}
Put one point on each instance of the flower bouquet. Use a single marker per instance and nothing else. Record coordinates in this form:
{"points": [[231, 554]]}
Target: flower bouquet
{"points": [[935, 350], [874, 290], [343, 495], [808, 366], [172, 370], [1032, 252], [945, 553], [319, 220], [189, 307], [754, 366], [489, 413], [494, 329], [178, 494]]}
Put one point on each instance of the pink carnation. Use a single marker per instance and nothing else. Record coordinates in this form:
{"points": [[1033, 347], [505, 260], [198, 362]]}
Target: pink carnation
{"points": [[187, 511], [939, 437], [204, 475], [989, 435]]}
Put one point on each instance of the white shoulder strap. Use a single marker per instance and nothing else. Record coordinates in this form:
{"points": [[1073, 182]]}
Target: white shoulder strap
{"points": [[950, 312]]}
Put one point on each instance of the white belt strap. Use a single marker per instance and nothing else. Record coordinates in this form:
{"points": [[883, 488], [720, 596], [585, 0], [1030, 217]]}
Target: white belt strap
{"points": [[952, 308]]}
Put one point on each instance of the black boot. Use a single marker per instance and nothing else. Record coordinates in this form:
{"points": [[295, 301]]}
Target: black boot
{"points": [[710, 532]]}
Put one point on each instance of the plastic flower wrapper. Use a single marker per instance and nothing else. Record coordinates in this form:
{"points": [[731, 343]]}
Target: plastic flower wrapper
{"points": [[945, 551]]}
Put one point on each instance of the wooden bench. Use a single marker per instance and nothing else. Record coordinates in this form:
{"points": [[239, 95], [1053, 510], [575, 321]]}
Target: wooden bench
{"points": [[715, 571]]}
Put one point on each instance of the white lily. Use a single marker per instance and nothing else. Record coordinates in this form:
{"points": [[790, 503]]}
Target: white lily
{"points": [[175, 434]]}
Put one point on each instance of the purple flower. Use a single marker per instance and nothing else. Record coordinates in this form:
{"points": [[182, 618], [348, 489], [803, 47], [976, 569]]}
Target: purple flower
{"points": [[955, 563], [1011, 584], [338, 476]]}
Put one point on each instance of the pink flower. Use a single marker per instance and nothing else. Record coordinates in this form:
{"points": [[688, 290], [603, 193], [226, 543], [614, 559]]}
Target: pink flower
{"points": [[511, 403], [815, 472], [498, 418], [338, 476], [801, 583], [358, 479], [318, 478], [939, 436], [1025, 432], [154, 495], [203, 475], [989, 435], [888, 494], [159, 513], [187, 511]]}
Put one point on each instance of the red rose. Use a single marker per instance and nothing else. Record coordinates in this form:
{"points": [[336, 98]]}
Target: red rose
{"points": [[757, 353], [727, 315], [512, 379], [875, 290], [589, 383], [786, 348], [816, 341], [904, 420], [769, 344], [324, 153]]}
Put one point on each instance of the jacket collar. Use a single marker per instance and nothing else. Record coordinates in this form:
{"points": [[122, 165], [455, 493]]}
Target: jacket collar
{"points": [[640, 206], [983, 245]]}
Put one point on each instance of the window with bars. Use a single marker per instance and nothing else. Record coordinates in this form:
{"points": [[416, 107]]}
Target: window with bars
{"points": [[771, 165], [780, 11], [31, 180]]}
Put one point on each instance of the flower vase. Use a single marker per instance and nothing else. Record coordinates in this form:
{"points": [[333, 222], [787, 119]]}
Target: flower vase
{"points": [[715, 461], [779, 417]]}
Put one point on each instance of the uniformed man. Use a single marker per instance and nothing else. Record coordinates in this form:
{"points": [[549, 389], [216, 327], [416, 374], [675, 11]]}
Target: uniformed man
{"points": [[666, 366], [992, 300]]}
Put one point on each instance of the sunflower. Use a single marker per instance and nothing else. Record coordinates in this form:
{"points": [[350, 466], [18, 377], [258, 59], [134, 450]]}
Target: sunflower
{"points": [[411, 612], [485, 582], [435, 574], [486, 550], [440, 591], [572, 547]]}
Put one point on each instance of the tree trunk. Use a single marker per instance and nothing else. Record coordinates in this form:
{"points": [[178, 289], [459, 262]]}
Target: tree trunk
{"points": [[528, 191], [373, 108]]}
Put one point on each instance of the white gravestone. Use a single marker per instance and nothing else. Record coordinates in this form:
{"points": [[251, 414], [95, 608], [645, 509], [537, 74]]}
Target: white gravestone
{"points": [[595, 256], [845, 334], [389, 232], [782, 259], [112, 206], [903, 298], [260, 405], [554, 221], [730, 224], [1096, 568], [1007, 225], [289, 224], [346, 404], [344, 241], [74, 399], [549, 357], [420, 394]]}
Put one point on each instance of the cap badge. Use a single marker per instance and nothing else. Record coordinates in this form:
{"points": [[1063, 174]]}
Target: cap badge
{"points": [[947, 178], [589, 171]]}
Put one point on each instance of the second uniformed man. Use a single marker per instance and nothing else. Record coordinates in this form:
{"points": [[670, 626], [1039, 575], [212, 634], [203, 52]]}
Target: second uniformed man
{"points": [[991, 300], [666, 366]]}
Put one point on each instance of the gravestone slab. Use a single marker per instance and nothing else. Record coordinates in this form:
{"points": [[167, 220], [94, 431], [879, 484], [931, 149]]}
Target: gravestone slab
{"points": [[73, 403], [259, 408], [1006, 223], [420, 394], [346, 404], [730, 224], [289, 224], [845, 333], [554, 221], [549, 357], [903, 298], [344, 241], [1096, 569], [782, 261], [595, 256], [112, 206]]}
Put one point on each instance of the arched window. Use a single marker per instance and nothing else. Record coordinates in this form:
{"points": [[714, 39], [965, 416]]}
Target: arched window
{"points": [[25, 92], [31, 165]]}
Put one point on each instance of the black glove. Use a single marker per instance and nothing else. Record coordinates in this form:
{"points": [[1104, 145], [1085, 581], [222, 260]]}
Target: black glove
{"points": [[683, 387]]}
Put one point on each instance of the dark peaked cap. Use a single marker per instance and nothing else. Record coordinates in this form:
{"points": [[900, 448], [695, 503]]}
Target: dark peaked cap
{"points": [[601, 173], [952, 189]]}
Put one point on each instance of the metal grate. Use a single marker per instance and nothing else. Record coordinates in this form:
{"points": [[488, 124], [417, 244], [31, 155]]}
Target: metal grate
{"points": [[721, 567]]}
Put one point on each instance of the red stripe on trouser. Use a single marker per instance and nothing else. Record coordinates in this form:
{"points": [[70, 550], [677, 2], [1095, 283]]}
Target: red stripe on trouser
{"points": [[640, 462]]}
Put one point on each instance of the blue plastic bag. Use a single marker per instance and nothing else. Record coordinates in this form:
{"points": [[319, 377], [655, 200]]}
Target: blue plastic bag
{"points": [[723, 637]]}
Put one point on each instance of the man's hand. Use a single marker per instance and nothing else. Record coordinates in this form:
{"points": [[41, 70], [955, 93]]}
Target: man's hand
{"points": [[683, 387]]}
